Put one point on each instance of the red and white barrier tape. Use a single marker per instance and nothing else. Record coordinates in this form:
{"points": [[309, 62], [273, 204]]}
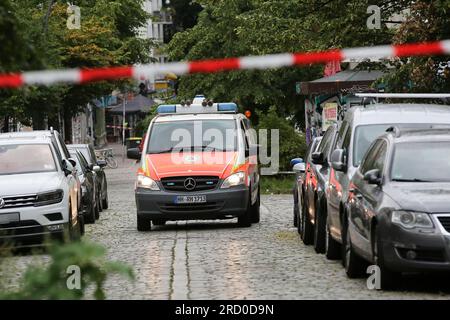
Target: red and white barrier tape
{"points": [[118, 127], [80, 76]]}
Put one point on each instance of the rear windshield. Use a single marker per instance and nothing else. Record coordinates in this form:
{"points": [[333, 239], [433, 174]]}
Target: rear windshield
{"points": [[26, 158], [366, 134], [426, 162], [193, 135]]}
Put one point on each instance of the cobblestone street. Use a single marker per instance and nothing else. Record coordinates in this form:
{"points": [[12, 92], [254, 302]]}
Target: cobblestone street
{"points": [[218, 260]]}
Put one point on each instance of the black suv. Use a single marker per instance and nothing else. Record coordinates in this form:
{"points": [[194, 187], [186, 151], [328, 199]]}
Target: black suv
{"points": [[398, 208], [89, 154], [360, 127]]}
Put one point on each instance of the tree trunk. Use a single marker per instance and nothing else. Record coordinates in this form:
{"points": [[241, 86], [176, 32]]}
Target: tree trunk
{"points": [[67, 135]]}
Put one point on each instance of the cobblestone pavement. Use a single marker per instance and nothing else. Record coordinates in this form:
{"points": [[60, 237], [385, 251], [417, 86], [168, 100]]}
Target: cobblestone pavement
{"points": [[218, 260]]}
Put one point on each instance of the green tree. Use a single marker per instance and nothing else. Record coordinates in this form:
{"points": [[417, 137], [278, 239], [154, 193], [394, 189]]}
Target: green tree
{"points": [[291, 143]]}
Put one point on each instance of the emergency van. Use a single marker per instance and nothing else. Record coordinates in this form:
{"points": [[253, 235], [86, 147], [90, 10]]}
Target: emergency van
{"points": [[198, 162]]}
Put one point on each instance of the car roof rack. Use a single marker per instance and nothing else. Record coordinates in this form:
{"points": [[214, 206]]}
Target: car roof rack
{"points": [[404, 95]]}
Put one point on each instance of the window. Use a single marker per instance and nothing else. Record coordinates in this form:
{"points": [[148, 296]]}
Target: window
{"points": [[368, 162], [197, 135], [380, 157], [26, 158], [244, 135], [426, 162]]}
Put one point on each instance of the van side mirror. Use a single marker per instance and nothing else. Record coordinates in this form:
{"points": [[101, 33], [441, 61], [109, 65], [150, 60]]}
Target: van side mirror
{"points": [[134, 153], [373, 176], [338, 160]]}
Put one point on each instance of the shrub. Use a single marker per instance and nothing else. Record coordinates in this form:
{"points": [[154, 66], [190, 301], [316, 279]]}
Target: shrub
{"points": [[292, 143], [51, 281]]}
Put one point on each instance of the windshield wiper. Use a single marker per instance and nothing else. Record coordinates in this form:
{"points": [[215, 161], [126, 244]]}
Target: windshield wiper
{"points": [[411, 180], [163, 151], [212, 148]]}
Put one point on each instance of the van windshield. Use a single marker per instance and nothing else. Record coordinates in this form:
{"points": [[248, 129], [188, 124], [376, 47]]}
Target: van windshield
{"points": [[193, 135], [26, 158], [366, 134]]}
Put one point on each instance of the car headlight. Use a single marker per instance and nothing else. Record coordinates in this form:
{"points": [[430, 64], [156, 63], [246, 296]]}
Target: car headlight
{"points": [[411, 219], [235, 179], [47, 198], [146, 183]]}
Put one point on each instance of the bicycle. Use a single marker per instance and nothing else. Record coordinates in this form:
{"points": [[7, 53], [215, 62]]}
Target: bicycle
{"points": [[108, 156]]}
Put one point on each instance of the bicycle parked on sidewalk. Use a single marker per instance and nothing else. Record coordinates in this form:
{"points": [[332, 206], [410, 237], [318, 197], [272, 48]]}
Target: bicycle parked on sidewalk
{"points": [[108, 156]]}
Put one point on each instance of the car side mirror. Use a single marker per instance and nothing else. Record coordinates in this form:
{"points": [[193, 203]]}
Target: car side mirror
{"points": [[317, 157], [72, 162], [299, 167], [96, 168], [101, 163], [67, 166], [373, 176], [296, 160], [134, 153], [338, 160]]}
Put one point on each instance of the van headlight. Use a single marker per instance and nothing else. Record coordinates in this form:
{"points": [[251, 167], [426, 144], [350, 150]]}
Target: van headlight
{"points": [[146, 183], [235, 179], [411, 219]]}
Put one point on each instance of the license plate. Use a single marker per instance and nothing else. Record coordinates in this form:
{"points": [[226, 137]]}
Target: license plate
{"points": [[7, 218], [190, 199]]}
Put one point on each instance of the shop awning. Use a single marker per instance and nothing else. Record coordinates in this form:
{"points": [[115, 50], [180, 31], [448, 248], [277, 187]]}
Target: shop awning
{"points": [[343, 80], [139, 104]]}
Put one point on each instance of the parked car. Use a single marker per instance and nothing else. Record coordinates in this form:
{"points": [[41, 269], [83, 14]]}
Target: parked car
{"points": [[102, 186], [301, 184], [88, 179], [360, 127], [38, 190], [398, 207], [314, 223]]}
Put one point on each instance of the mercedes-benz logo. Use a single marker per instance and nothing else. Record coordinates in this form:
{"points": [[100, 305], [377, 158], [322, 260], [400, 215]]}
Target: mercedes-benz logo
{"points": [[2, 203], [189, 184]]}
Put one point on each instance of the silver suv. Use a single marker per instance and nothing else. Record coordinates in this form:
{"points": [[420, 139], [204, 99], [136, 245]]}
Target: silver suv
{"points": [[38, 190]]}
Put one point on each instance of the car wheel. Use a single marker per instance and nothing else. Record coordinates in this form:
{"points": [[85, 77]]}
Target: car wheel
{"points": [[307, 227], [90, 218], [105, 201], [319, 228], [354, 265], [332, 247], [255, 209], [97, 211], [299, 219], [74, 233], [143, 223], [295, 215], [388, 278], [81, 222], [99, 203], [245, 220]]}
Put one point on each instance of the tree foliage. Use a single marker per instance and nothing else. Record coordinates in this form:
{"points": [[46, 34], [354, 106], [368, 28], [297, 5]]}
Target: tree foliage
{"points": [[107, 37]]}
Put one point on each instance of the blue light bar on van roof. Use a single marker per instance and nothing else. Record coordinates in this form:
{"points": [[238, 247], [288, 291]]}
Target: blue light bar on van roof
{"points": [[167, 108], [227, 107]]}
